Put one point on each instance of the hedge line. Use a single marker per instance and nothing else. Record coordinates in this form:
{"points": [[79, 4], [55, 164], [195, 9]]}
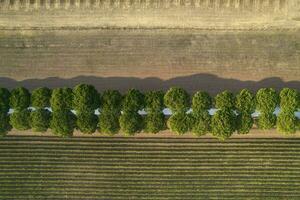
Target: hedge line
{"points": [[120, 112]]}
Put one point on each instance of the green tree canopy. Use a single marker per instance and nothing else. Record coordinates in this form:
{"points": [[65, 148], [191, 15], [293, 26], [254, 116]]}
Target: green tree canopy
{"points": [[109, 123], [201, 101], [266, 121], [225, 100], [177, 99], [63, 123], [266, 100], [155, 122], [245, 102], [87, 122], [287, 122], [40, 120], [111, 100], [20, 119], [201, 123], [223, 124], [4, 100], [19, 98], [4, 124], [133, 101], [130, 123], [61, 99], [86, 98], [180, 122], [289, 99], [40, 97], [244, 123], [154, 101]]}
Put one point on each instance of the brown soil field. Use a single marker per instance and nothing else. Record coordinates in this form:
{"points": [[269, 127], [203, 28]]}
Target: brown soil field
{"points": [[196, 14], [150, 59]]}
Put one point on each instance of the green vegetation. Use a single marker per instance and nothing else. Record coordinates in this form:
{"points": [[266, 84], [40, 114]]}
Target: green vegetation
{"points": [[86, 98], [63, 123], [109, 123], [245, 102], [40, 120], [266, 121], [87, 122], [201, 123], [4, 100], [111, 101], [19, 98], [20, 119], [155, 122], [40, 97], [131, 123], [266, 100], [119, 112], [223, 124], [133, 101], [61, 99], [201, 101], [225, 100], [180, 123], [5, 126], [177, 99], [154, 101]]}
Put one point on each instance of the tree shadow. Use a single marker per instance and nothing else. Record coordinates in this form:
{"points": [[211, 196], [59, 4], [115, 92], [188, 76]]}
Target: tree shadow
{"points": [[208, 82]]}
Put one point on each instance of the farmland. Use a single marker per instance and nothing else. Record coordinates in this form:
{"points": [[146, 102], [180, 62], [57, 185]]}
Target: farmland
{"points": [[148, 168], [150, 59]]}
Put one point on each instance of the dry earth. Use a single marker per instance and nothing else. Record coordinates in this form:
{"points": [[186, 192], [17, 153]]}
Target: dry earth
{"points": [[150, 59]]}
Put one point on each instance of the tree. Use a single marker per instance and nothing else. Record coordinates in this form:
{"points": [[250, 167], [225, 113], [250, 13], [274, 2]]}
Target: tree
{"points": [[201, 125], [87, 122], [4, 124], [177, 99], [20, 119], [201, 101], [4, 100], [287, 122], [109, 123], [86, 98], [225, 100], [245, 102], [63, 123], [111, 100], [40, 97], [223, 124], [266, 100], [40, 120], [155, 122], [131, 123], [154, 101], [180, 123], [19, 98], [244, 123], [266, 121], [133, 101], [289, 99], [61, 99]]}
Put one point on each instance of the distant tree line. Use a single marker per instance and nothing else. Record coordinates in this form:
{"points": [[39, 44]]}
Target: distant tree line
{"points": [[119, 113]]}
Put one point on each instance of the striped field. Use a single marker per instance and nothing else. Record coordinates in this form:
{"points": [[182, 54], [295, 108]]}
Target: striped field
{"points": [[148, 168]]}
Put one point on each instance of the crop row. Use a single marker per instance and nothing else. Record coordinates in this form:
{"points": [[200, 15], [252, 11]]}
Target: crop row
{"points": [[128, 168]]}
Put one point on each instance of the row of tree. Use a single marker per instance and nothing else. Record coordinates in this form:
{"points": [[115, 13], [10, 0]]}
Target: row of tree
{"points": [[234, 111]]}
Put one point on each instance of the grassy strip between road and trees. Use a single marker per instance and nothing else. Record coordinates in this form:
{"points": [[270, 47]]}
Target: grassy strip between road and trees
{"points": [[75, 109]]}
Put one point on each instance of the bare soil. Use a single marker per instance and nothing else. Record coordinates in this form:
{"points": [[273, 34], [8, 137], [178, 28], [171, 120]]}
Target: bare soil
{"points": [[150, 59]]}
